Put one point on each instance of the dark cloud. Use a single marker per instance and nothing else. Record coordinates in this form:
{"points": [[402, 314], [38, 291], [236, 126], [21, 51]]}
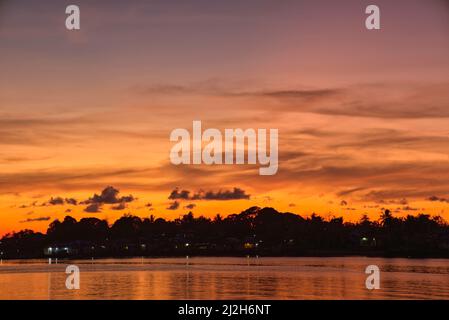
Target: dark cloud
{"points": [[176, 194], [371, 206], [173, 206], [343, 203], [291, 205], [190, 206], [120, 206], [35, 219], [109, 195], [408, 208], [23, 206], [56, 201], [439, 199], [402, 201], [93, 208], [71, 201], [377, 179], [234, 194]]}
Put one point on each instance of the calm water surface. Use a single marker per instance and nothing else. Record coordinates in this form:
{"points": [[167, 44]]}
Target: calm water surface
{"points": [[227, 278]]}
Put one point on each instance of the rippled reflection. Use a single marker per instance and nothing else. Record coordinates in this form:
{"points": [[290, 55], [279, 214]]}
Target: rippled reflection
{"points": [[227, 278]]}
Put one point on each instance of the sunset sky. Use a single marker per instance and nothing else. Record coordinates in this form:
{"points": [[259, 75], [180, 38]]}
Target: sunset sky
{"points": [[363, 116]]}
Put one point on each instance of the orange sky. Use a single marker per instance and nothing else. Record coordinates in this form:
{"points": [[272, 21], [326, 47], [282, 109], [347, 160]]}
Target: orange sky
{"points": [[363, 116]]}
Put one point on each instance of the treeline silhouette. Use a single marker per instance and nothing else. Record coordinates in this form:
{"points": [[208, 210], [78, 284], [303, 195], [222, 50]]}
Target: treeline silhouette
{"points": [[255, 231]]}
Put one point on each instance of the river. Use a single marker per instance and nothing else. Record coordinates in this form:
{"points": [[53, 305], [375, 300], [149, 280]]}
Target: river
{"points": [[227, 278]]}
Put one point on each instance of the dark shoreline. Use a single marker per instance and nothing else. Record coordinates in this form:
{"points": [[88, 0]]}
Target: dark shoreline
{"points": [[251, 256], [254, 232]]}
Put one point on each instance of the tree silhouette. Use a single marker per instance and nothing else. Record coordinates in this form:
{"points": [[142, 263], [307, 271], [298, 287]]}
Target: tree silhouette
{"points": [[262, 231]]}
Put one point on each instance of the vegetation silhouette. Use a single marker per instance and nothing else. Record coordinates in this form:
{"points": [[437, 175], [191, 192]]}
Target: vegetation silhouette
{"points": [[255, 231]]}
